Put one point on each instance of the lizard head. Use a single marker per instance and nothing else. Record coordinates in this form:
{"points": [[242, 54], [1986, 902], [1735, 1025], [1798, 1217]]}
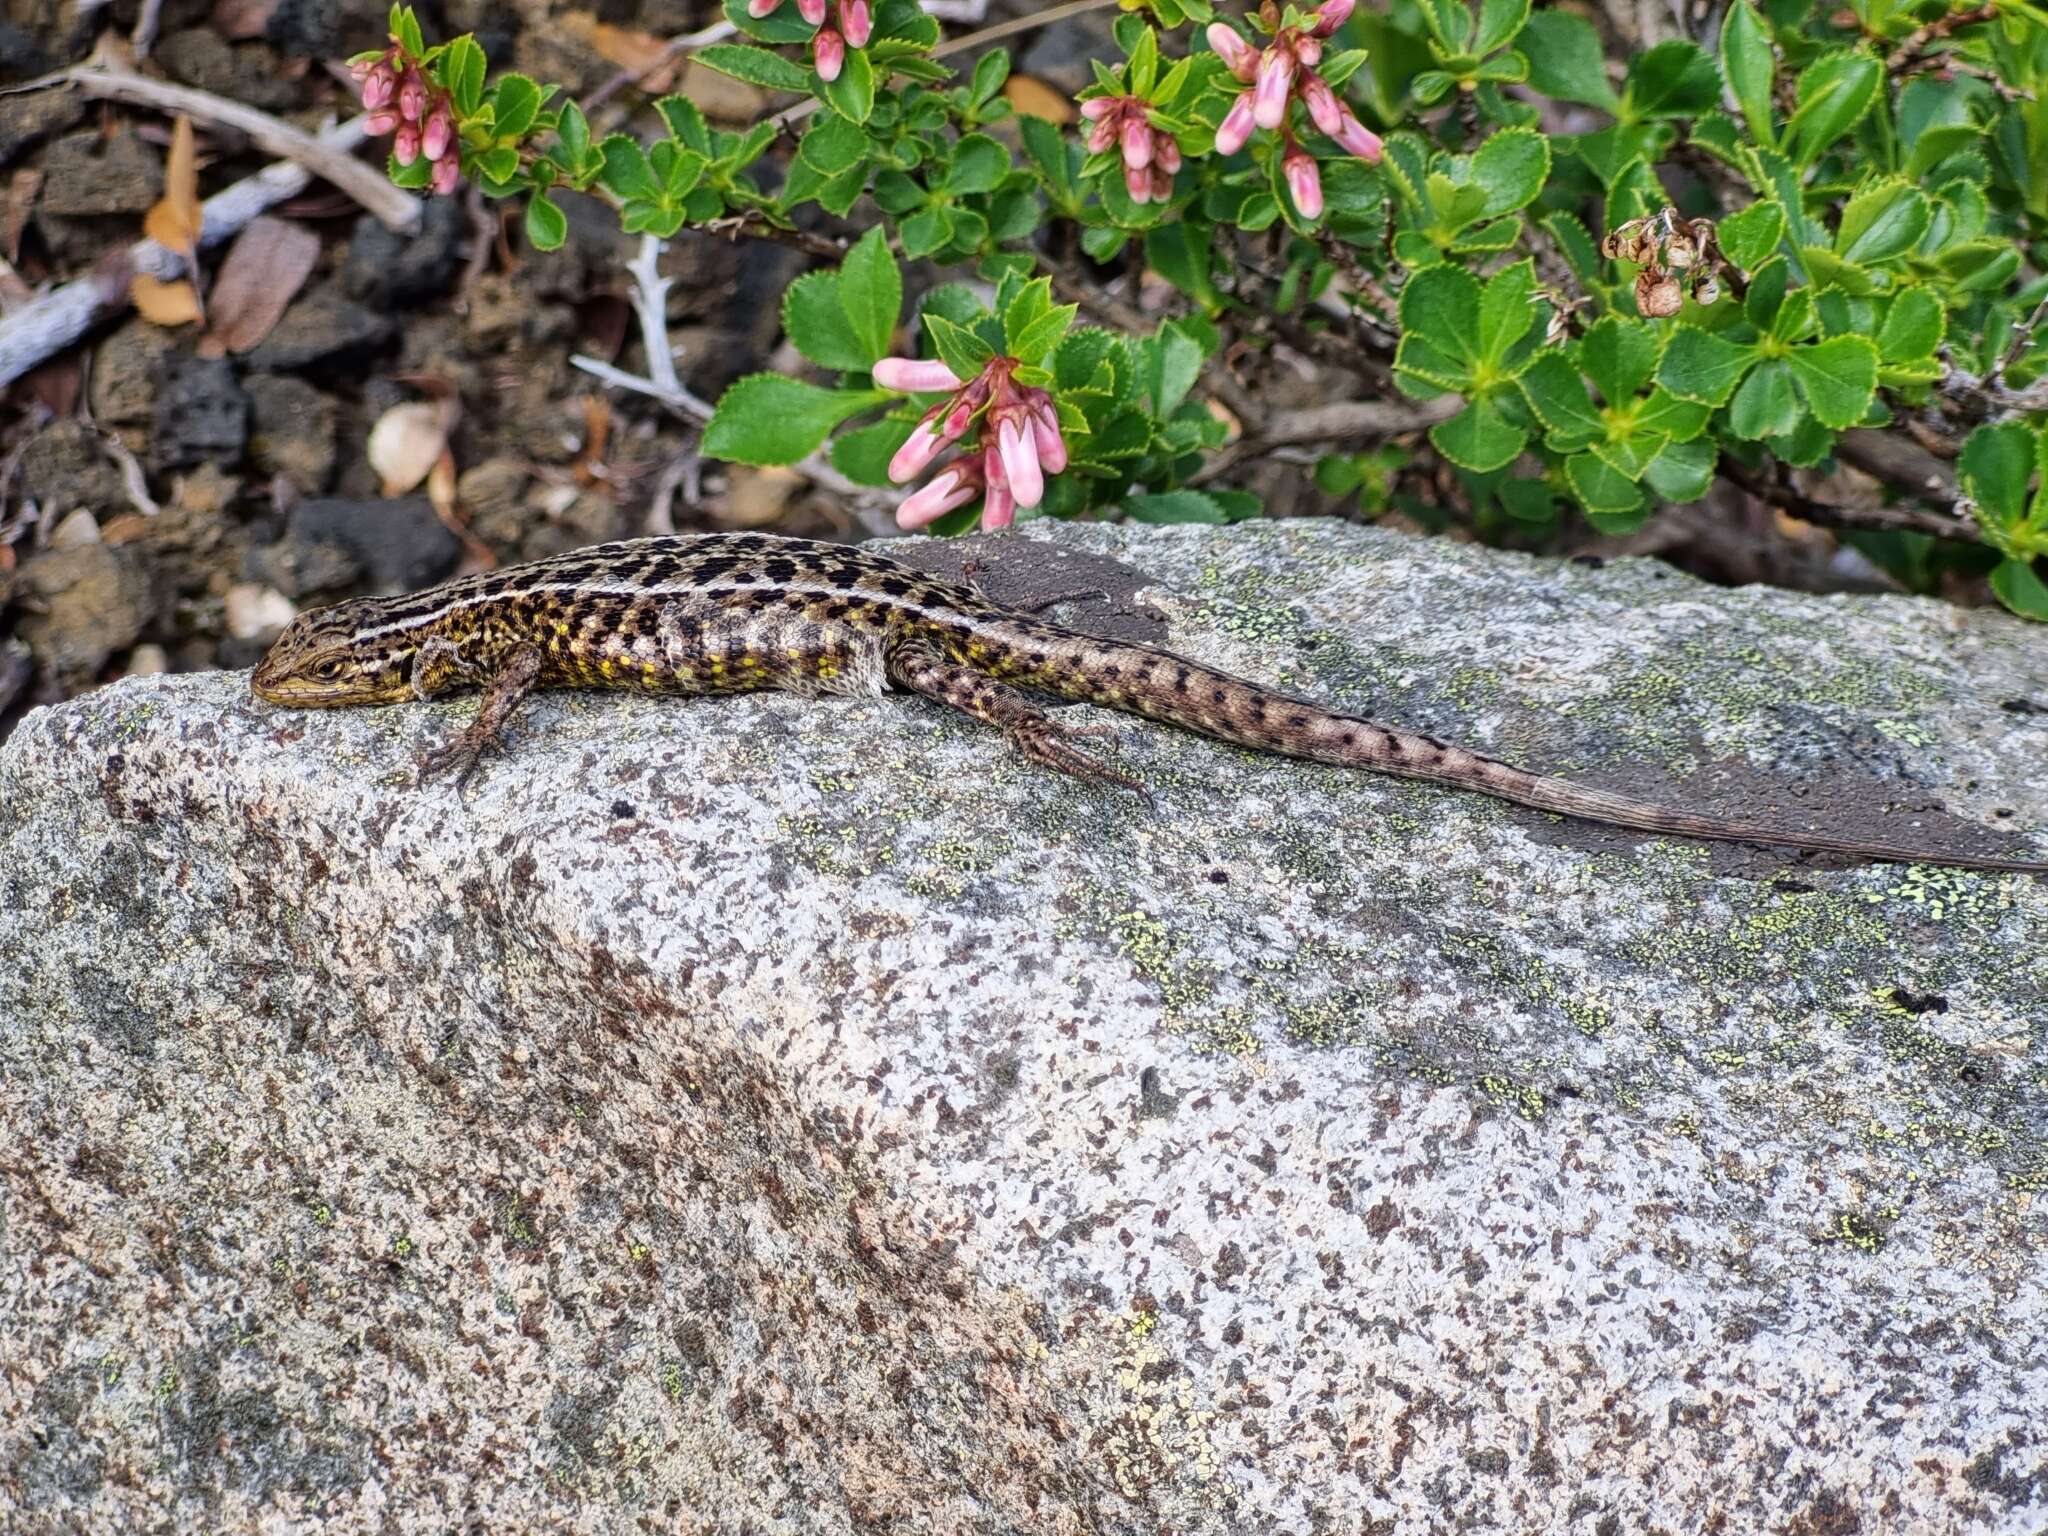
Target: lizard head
{"points": [[343, 654]]}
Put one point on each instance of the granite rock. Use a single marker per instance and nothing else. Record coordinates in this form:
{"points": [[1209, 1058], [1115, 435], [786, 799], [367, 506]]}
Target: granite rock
{"points": [[770, 1115]]}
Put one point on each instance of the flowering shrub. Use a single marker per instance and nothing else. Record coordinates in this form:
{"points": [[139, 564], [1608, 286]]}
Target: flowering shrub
{"points": [[1806, 240]]}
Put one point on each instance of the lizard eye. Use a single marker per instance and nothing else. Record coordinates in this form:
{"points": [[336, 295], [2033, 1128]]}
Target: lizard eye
{"points": [[327, 671]]}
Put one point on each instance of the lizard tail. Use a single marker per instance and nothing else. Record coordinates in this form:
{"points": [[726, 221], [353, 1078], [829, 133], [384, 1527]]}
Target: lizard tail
{"points": [[1144, 680]]}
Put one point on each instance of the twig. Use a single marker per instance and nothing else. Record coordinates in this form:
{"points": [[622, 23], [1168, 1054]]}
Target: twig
{"points": [[650, 302], [1909, 54], [677, 398], [144, 34], [1340, 421], [46, 326], [392, 206], [2021, 335], [689, 42], [1886, 519]]}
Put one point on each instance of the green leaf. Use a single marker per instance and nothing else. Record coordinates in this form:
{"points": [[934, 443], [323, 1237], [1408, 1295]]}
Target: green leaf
{"points": [[573, 130], [767, 418], [1703, 367], [852, 95], [1619, 355], [1436, 352], [958, 347], [1767, 404], [1478, 438], [1510, 168], [1885, 218], [685, 121], [1043, 334], [1766, 294], [925, 231], [990, 71], [1565, 59], [515, 103], [1683, 471], [1751, 69], [1174, 507], [1499, 21], [546, 225], [1913, 326], [1171, 362], [1749, 237], [1600, 487], [863, 454], [1995, 465], [1507, 309], [626, 174], [1665, 414], [756, 66], [2016, 586], [871, 294], [778, 27], [1557, 394], [979, 163], [1673, 79], [1833, 93], [1838, 377], [816, 322], [461, 69]]}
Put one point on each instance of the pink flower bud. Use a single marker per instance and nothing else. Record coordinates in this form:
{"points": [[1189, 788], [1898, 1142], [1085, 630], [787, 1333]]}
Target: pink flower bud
{"points": [[379, 86], [1236, 126], [1165, 152], [1102, 136], [1324, 110], [412, 97], [1020, 462], [1308, 52], [1334, 14], [959, 415], [918, 450], [1138, 182], [998, 508], [1359, 140], [1137, 137], [812, 11], [914, 376], [405, 144], [1231, 47], [857, 21], [1096, 108], [1045, 435], [1162, 184], [377, 124], [438, 135], [828, 54], [447, 173], [1304, 183], [1269, 95], [952, 487], [992, 466], [759, 8]]}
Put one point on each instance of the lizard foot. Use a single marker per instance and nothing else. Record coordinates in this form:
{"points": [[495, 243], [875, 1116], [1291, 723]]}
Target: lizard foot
{"points": [[458, 755], [1051, 743]]}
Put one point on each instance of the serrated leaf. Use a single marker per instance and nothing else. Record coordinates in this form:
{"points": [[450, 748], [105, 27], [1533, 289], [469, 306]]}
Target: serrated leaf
{"points": [[1044, 333], [1703, 367], [1683, 471], [546, 225], [1833, 93], [1499, 21], [1507, 309], [1171, 361], [863, 454], [958, 347], [1556, 393], [2015, 585], [461, 69], [1995, 465], [1838, 377], [1439, 304], [1767, 404], [1665, 413], [1565, 59], [979, 163], [1750, 237], [1750, 67], [1173, 507], [1479, 438], [1884, 219], [816, 323], [1619, 355], [1673, 79], [871, 295], [626, 174], [1600, 487], [515, 103], [767, 418], [757, 66], [1510, 168], [684, 120], [852, 95], [1913, 326]]}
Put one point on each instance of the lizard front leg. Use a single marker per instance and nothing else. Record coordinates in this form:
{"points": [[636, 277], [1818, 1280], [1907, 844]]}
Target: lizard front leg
{"points": [[511, 682], [920, 667]]}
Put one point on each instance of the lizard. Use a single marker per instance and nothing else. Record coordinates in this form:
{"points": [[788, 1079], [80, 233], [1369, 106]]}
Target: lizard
{"points": [[733, 612]]}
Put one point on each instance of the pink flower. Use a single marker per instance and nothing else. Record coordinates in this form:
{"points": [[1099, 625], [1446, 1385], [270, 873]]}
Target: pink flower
{"points": [[914, 376], [447, 173], [1357, 139], [857, 21], [405, 144], [1102, 135], [1045, 434], [1138, 182], [1236, 128], [379, 86], [1324, 110], [1308, 51], [828, 53], [1165, 154], [812, 11], [998, 508], [954, 486], [917, 452], [1231, 47], [1137, 138], [1096, 108], [1019, 453], [412, 97], [1334, 14], [1304, 183], [759, 8], [1269, 96], [438, 135], [377, 124]]}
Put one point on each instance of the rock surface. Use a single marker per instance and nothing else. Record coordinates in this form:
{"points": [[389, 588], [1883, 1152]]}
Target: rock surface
{"points": [[792, 1116]]}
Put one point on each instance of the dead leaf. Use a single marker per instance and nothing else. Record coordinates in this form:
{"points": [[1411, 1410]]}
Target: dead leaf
{"points": [[22, 188], [162, 303], [175, 220], [243, 21], [1034, 98], [268, 263], [408, 442], [623, 46]]}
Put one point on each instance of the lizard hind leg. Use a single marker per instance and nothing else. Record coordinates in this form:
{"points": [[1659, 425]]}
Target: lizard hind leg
{"points": [[921, 668]]}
